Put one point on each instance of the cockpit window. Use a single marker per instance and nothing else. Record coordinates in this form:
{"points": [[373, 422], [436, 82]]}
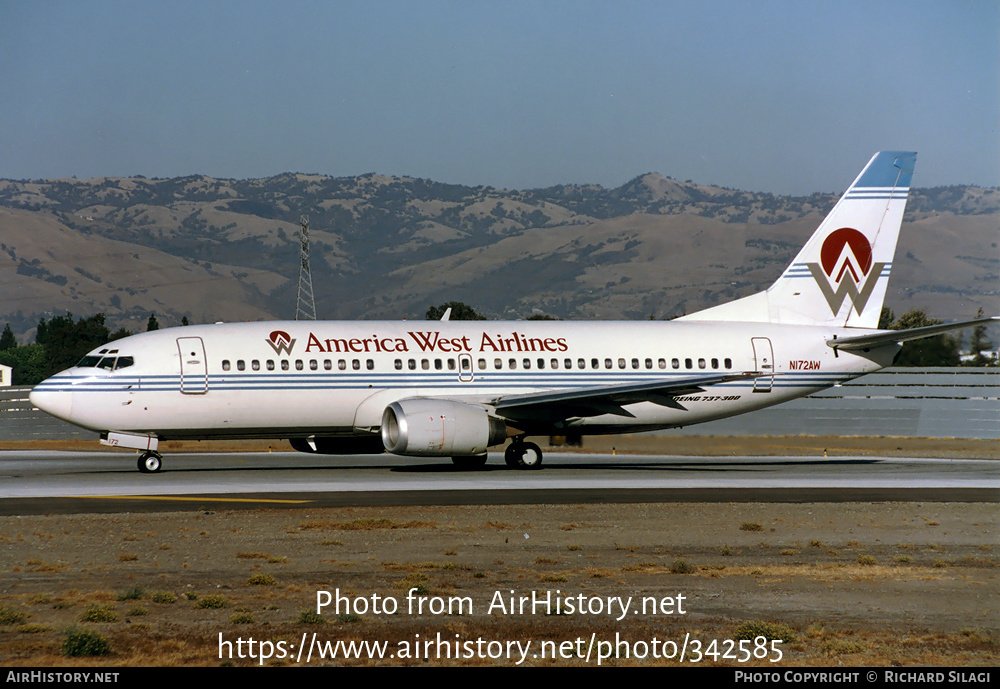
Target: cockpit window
{"points": [[108, 363]]}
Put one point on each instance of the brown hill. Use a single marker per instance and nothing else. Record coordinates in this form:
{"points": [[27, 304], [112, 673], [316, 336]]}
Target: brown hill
{"points": [[388, 247]]}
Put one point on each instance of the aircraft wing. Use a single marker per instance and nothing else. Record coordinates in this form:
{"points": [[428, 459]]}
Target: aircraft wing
{"points": [[885, 337], [608, 399]]}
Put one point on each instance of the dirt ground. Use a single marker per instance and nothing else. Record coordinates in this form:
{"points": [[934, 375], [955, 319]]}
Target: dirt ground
{"points": [[821, 584]]}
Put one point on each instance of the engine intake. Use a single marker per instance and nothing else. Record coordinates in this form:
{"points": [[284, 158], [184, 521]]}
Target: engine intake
{"points": [[439, 428]]}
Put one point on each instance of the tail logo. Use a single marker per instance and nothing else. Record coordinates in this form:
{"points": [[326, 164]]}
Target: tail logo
{"points": [[846, 269], [281, 342]]}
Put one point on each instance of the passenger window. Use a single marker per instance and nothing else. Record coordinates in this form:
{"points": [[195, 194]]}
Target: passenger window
{"points": [[356, 364], [541, 363], [688, 364], [255, 365], [240, 365], [715, 363], [438, 365], [701, 363], [568, 363], [270, 364], [370, 364], [662, 363], [581, 364], [327, 365], [284, 364], [298, 365], [398, 363], [411, 364], [607, 363], [594, 363], [729, 363], [482, 364], [621, 363], [635, 363], [498, 364], [342, 364], [676, 363], [425, 364], [513, 364], [451, 364], [649, 363], [313, 365], [527, 364]]}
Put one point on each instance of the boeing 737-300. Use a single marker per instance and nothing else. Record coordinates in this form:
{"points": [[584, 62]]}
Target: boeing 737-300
{"points": [[456, 388]]}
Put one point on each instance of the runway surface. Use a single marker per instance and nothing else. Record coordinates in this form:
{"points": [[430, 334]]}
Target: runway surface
{"points": [[39, 481]]}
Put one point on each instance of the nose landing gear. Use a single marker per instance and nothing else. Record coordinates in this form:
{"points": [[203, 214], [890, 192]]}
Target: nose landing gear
{"points": [[150, 462]]}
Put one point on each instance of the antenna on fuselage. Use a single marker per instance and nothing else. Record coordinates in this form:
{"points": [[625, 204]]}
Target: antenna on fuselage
{"points": [[305, 308]]}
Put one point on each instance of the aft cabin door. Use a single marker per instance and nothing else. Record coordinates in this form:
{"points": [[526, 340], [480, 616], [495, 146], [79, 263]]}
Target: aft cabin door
{"points": [[194, 366], [764, 361]]}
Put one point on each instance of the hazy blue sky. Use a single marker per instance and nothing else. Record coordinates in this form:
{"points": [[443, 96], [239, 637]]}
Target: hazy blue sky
{"points": [[782, 96]]}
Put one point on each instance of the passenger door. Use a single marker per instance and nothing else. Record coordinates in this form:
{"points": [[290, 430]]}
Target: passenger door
{"points": [[194, 366], [764, 361]]}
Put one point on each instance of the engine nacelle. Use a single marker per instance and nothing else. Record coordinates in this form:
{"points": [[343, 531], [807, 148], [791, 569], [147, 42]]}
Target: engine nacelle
{"points": [[439, 428], [333, 445]]}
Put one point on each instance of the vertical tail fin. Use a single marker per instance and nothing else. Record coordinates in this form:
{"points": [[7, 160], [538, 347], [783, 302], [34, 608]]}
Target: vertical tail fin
{"points": [[840, 275]]}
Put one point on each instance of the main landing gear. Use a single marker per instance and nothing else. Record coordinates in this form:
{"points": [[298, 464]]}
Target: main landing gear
{"points": [[150, 462], [518, 455], [522, 455]]}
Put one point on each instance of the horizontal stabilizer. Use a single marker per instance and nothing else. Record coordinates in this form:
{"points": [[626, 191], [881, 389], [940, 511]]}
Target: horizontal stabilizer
{"points": [[885, 337]]}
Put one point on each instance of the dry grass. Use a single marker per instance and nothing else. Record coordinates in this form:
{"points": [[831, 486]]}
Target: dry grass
{"points": [[833, 604]]}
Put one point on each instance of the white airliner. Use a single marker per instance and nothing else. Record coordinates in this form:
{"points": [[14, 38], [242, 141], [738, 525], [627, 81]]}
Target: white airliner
{"points": [[456, 388]]}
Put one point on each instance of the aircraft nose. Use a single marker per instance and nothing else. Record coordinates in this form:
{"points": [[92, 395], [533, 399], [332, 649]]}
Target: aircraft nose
{"points": [[58, 403]]}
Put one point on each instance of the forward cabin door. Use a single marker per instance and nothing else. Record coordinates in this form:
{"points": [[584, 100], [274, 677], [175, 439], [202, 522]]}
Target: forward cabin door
{"points": [[194, 366], [764, 360]]}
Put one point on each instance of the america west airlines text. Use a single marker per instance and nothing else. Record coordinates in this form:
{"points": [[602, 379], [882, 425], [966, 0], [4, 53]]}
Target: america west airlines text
{"points": [[433, 341]]}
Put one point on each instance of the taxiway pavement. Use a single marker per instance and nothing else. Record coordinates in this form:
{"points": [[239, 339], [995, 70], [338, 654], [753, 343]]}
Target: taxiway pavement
{"points": [[41, 481]]}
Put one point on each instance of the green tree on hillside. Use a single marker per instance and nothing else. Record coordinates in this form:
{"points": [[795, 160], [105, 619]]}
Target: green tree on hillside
{"points": [[7, 339], [979, 344], [66, 341], [940, 350], [28, 363]]}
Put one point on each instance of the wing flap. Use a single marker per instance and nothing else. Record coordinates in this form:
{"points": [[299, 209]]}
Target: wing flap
{"points": [[607, 399]]}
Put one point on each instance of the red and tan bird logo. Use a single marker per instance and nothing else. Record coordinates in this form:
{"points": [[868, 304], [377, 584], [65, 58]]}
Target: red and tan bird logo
{"points": [[281, 342], [846, 269]]}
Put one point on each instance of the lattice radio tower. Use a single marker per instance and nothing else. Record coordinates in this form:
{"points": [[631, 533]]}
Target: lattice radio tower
{"points": [[305, 309]]}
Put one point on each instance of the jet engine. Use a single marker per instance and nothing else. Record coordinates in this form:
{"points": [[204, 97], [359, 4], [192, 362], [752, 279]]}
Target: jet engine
{"points": [[439, 428], [333, 445]]}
